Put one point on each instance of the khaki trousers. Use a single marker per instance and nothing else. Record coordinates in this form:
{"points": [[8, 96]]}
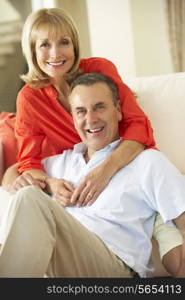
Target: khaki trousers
{"points": [[39, 237]]}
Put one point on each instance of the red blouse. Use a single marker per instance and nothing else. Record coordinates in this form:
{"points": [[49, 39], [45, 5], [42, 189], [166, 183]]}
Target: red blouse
{"points": [[43, 127]]}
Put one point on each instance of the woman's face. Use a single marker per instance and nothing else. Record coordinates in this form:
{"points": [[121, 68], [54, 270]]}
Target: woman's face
{"points": [[55, 56]]}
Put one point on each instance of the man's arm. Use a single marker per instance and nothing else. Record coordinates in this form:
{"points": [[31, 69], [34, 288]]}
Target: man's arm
{"points": [[180, 223], [170, 243]]}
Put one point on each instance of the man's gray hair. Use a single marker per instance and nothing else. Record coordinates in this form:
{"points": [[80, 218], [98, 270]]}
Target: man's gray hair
{"points": [[89, 79]]}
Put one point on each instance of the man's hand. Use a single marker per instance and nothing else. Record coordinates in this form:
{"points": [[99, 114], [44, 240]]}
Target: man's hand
{"points": [[24, 179], [61, 189], [90, 187]]}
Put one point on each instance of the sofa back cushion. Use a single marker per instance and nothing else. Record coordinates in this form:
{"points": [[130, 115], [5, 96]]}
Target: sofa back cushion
{"points": [[163, 100]]}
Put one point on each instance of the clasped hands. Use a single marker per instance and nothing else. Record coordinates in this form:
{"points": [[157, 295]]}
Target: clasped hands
{"points": [[84, 194]]}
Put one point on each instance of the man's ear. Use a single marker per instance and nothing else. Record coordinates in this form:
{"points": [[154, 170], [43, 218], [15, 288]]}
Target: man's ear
{"points": [[120, 116]]}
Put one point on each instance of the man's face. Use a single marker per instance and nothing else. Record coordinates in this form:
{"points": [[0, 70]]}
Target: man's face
{"points": [[95, 115]]}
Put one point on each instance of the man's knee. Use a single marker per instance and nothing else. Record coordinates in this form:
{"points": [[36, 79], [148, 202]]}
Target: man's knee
{"points": [[28, 195], [27, 191], [33, 198]]}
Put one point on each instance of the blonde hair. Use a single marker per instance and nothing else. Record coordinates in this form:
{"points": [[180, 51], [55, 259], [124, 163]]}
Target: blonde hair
{"points": [[57, 21]]}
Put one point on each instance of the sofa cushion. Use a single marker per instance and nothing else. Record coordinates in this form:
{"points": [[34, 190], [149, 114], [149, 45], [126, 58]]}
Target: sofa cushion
{"points": [[9, 142], [7, 138], [163, 100]]}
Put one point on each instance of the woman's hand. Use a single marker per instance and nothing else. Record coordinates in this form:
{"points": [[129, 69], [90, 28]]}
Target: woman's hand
{"points": [[91, 186], [61, 189], [24, 179], [95, 182]]}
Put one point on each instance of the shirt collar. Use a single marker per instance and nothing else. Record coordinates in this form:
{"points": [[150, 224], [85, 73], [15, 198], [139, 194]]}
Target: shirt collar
{"points": [[82, 148]]}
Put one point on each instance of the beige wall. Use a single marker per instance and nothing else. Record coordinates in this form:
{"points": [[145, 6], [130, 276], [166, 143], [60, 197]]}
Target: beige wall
{"points": [[111, 33], [151, 44], [78, 10], [10, 82], [131, 33]]}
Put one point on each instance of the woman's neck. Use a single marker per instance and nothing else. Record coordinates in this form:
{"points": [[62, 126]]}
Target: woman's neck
{"points": [[60, 85], [62, 88]]}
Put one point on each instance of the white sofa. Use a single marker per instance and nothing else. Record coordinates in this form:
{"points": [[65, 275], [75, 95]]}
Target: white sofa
{"points": [[163, 100]]}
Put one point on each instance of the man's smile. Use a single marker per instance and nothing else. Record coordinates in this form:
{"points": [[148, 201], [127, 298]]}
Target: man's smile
{"points": [[95, 130]]}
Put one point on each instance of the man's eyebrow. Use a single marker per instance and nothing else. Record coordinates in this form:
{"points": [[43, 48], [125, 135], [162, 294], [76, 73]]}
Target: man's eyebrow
{"points": [[95, 105], [98, 103]]}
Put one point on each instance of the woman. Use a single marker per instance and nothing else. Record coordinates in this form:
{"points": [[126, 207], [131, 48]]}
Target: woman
{"points": [[44, 125]]}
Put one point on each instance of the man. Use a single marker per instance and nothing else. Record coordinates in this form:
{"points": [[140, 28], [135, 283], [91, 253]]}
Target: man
{"points": [[111, 237]]}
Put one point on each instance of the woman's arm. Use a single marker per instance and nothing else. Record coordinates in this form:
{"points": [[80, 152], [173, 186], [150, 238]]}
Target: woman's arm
{"points": [[122, 155], [13, 181], [95, 182], [61, 189], [135, 124], [10, 175]]}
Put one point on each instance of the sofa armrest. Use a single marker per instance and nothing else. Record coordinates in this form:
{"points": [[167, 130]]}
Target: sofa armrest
{"points": [[7, 138], [1, 161]]}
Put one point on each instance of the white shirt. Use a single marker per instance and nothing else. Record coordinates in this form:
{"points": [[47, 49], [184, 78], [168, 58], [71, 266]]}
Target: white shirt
{"points": [[123, 214]]}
